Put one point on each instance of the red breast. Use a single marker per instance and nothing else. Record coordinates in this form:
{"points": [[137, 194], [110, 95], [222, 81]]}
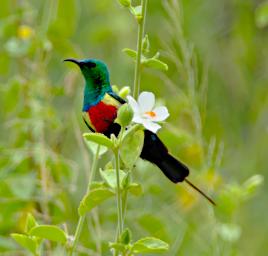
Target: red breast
{"points": [[102, 116]]}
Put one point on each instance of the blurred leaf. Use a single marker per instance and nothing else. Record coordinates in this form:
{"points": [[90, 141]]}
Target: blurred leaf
{"points": [[228, 200], [153, 225], [131, 53], [30, 222], [22, 186], [155, 63], [126, 236], [99, 139], [49, 232], [67, 14], [131, 148], [118, 246], [7, 244], [253, 183], [94, 198], [125, 3], [109, 176], [229, 232], [261, 15], [16, 47], [26, 242], [135, 189], [150, 245]]}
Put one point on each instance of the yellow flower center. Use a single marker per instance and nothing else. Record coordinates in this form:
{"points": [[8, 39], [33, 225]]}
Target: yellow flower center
{"points": [[25, 32], [150, 113]]}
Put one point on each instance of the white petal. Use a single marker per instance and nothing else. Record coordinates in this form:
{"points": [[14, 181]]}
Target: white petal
{"points": [[153, 127], [161, 114], [146, 101], [133, 104], [137, 119]]}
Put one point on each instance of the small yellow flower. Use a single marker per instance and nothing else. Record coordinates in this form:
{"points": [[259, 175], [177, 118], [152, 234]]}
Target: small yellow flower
{"points": [[212, 179], [187, 199], [25, 32], [194, 154]]}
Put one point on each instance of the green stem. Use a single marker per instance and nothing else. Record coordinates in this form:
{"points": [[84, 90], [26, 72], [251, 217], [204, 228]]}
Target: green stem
{"points": [[119, 199], [125, 197], [141, 25], [82, 218]]}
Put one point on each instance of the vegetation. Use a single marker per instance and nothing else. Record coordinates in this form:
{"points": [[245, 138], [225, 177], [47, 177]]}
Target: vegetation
{"points": [[61, 190]]}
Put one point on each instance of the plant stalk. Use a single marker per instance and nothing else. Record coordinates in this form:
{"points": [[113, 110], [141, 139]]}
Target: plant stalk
{"points": [[82, 218], [141, 25], [119, 197]]}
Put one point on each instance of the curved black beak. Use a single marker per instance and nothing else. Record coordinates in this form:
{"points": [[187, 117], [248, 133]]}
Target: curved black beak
{"points": [[77, 62]]}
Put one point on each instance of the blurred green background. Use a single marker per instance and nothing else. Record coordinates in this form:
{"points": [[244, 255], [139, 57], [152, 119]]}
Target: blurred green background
{"points": [[219, 126]]}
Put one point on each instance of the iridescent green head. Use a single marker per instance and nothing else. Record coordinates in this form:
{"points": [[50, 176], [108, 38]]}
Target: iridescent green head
{"points": [[96, 75]]}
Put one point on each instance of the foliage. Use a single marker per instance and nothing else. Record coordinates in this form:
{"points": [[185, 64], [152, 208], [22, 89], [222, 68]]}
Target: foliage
{"points": [[215, 90]]}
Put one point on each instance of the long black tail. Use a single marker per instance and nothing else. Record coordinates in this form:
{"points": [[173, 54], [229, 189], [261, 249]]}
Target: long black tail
{"points": [[156, 152]]}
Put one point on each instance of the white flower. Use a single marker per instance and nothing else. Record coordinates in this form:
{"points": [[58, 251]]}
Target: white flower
{"points": [[145, 113]]}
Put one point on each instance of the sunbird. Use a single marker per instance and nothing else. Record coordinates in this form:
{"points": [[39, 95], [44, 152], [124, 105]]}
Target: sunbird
{"points": [[100, 108]]}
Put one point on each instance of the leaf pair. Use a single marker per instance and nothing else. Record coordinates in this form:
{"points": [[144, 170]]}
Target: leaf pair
{"points": [[144, 245], [100, 192], [153, 62], [35, 233]]}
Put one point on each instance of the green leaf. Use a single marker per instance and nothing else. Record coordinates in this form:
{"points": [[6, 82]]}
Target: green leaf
{"points": [[261, 15], [118, 246], [26, 242], [94, 198], [92, 146], [125, 3], [131, 148], [135, 189], [150, 245], [154, 63], [109, 176], [99, 139], [132, 130], [49, 232], [131, 53], [125, 237], [126, 180], [253, 183], [145, 44], [30, 223], [97, 185]]}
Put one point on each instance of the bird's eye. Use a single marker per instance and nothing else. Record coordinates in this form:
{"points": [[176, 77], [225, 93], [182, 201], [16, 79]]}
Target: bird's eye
{"points": [[91, 64]]}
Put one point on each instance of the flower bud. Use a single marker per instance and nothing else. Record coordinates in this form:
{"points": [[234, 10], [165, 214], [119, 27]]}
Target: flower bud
{"points": [[125, 3], [115, 88], [124, 92], [124, 115]]}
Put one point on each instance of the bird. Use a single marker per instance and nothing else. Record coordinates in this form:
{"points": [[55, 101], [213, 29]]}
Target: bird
{"points": [[100, 107]]}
